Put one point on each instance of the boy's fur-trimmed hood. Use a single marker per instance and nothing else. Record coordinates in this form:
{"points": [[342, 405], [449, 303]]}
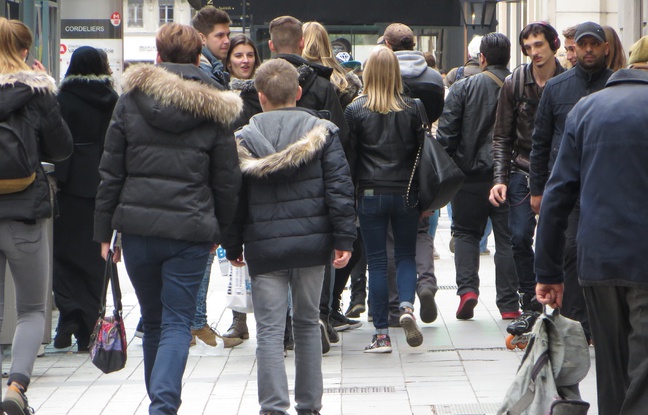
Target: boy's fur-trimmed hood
{"points": [[261, 152], [184, 87]]}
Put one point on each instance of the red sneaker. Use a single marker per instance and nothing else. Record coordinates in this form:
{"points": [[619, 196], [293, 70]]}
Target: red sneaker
{"points": [[510, 315], [467, 305]]}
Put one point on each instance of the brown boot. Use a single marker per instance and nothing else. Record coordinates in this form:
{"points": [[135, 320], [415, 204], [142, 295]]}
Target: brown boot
{"points": [[210, 337], [239, 328]]}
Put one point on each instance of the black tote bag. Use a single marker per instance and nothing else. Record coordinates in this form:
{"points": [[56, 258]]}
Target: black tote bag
{"points": [[439, 178]]}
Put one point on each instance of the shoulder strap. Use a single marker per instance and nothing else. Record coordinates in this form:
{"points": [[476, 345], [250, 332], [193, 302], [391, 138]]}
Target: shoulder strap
{"points": [[422, 113], [518, 82], [494, 77]]}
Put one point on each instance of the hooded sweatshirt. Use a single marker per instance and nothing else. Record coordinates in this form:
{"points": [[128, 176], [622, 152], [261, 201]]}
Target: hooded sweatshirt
{"points": [[422, 82]]}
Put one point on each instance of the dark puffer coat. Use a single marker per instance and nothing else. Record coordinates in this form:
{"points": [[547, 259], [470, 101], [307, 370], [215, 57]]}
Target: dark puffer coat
{"points": [[28, 104], [169, 167], [297, 201]]}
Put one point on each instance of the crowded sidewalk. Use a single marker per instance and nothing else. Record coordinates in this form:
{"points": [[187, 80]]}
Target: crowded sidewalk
{"points": [[463, 367]]}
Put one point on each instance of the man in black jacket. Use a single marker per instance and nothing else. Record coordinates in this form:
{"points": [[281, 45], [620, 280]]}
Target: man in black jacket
{"points": [[559, 97], [292, 161], [318, 94], [516, 111], [466, 129]]}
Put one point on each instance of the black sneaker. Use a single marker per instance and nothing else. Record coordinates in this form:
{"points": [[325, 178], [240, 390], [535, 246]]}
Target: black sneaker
{"points": [[332, 333], [355, 310], [326, 342], [380, 343], [428, 305], [337, 319], [339, 324]]}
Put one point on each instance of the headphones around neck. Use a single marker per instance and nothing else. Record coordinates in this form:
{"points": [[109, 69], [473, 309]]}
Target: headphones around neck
{"points": [[550, 34]]}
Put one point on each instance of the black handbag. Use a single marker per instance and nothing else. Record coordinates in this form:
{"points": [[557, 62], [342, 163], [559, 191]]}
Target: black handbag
{"points": [[439, 178], [108, 340]]}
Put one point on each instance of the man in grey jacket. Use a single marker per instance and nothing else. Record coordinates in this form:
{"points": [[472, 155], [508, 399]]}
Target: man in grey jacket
{"points": [[466, 130]]}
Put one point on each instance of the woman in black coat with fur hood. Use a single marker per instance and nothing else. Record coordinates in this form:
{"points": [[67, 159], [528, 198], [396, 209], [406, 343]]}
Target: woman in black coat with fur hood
{"points": [[87, 100]]}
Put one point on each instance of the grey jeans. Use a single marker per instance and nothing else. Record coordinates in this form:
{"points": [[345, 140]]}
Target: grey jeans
{"points": [[270, 300], [25, 248]]}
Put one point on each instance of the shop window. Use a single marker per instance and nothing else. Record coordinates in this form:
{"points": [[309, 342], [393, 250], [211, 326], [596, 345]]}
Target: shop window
{"points": [[166, 11], [135, 11]]}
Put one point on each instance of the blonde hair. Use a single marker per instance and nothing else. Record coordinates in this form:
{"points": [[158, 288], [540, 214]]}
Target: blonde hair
{"points": [[383, 85], [14, 38], [318, 49]]}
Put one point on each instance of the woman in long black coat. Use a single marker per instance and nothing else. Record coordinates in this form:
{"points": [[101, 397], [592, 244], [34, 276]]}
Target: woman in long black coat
{"points": [[87, 100]]}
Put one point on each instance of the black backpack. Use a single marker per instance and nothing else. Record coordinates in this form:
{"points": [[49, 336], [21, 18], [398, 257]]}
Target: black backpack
{"points": [[18, 160]]}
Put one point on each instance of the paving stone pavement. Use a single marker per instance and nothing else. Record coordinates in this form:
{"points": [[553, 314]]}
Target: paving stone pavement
{"points": [[462, 367]]}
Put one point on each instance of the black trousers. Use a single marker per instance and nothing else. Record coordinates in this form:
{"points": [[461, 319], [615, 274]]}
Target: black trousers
{"points": [[619, 322], [470, 212], [574, 306]]}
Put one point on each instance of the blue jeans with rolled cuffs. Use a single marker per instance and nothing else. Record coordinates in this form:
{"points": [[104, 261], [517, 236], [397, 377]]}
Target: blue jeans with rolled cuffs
{"points": [[376, 213]]}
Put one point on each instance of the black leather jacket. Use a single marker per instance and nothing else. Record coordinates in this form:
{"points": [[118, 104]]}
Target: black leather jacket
{"points": [[466, 125], [514, 122], [383, 146]]}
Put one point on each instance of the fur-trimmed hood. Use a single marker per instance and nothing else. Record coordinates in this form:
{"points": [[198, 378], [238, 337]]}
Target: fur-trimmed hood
{"points": [[269, 144], [167, 88], [19, 87], [86, 79]]}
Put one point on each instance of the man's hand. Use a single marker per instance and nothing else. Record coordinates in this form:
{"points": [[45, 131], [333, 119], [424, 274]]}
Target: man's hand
{"points": [[238, 262], [341, 259], [498, 194], [105, 248], [550, 294], [213, 248], [536, 201]]}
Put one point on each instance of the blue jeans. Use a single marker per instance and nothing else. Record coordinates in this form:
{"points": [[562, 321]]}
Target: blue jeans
{"points": [[522, 223], [270, 297], [166, 275], [200, 318], [375, 214]]}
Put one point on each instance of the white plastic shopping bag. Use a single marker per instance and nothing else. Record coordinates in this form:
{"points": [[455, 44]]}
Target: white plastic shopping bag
{"points": [[239, 290]]}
